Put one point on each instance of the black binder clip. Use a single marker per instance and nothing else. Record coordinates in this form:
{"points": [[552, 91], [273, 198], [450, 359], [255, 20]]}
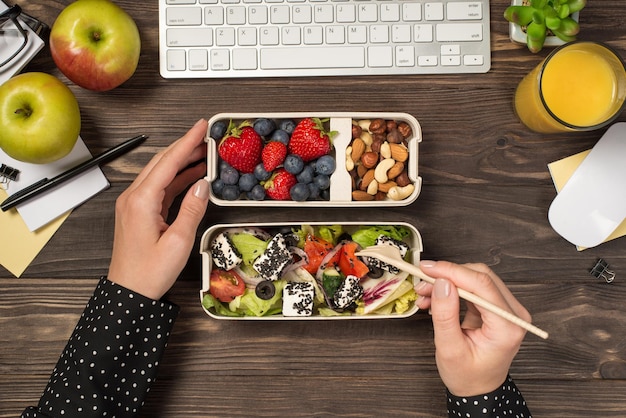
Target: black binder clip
{"points": [[7, 175], [601, 271]]}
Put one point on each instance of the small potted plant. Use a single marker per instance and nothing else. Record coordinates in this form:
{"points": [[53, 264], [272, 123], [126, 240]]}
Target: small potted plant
{"points": [[544, 22]]}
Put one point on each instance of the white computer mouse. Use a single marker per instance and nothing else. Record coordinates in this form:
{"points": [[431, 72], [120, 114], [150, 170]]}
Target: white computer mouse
{"points": [[592, 204]]}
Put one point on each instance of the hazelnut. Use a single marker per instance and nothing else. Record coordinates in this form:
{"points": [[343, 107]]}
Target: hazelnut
{"points": [[378, 126], [394, 136], [403, 179], [405, 129], [391, 124], [369, 159], [356, 131], [376, 146]]}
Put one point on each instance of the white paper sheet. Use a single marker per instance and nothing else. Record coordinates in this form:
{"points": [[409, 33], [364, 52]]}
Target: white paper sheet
{"points": [[53, 203]]}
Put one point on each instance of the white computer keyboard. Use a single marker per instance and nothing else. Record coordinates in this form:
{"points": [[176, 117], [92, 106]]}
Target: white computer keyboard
{"points": [[272, 38]]}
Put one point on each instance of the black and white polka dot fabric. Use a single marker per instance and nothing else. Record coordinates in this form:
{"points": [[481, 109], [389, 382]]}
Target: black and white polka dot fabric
{"points": [[505, 402], [111, 358]]}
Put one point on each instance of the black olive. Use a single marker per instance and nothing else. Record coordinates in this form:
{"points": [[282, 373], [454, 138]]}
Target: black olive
{"points": [[265, 290], [375, 272]]}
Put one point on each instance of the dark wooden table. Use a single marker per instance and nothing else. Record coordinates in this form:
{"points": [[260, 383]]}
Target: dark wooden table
{"points": [[485, 197]]}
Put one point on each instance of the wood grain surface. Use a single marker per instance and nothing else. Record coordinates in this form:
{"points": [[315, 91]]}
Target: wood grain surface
{"points": [[485, 195]]}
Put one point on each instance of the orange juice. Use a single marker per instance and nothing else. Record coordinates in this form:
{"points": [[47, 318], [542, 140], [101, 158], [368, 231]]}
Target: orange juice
{"points": [[580, 86]]}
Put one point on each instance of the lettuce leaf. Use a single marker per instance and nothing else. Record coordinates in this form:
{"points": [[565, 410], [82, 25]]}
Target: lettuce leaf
{"points": [[366, 237], [249, 246], [330, 233]]}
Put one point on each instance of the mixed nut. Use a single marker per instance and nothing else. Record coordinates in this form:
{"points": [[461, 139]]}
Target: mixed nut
{"points": [[377, 160]]}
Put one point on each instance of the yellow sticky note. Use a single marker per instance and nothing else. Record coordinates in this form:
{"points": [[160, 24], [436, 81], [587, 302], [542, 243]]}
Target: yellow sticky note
{"points": [[562, 170], [19, 246]]}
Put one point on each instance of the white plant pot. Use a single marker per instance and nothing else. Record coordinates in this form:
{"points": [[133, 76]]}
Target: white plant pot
{"points": [[518, 35]]}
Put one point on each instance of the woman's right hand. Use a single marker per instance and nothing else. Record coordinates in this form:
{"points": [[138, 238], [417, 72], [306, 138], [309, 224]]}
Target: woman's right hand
{"points": [[473, 354]]}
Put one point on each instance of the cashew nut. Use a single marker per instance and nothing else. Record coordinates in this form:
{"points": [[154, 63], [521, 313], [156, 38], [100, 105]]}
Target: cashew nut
{"points": [[385, 150], [349, 160], [399, 193], [380, 173], [372, 188], [366, 137]]}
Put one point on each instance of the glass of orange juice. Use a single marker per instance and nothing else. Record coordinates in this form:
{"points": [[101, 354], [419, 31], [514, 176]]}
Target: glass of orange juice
{"points": [[580, 86]]}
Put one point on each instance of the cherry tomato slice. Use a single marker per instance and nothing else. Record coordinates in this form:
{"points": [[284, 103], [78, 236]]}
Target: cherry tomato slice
{"points": [[226, 285], [349, 263], [315, 249]]}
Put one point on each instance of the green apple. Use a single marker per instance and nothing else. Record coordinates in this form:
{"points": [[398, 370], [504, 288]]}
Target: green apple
{"points": [[95, 44], [39, 118]]}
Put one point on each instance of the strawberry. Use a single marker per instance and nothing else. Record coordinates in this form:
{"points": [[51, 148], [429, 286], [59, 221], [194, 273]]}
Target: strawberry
{"points": [[241, 147], [309, 140], [273, 155], [278, 186]]}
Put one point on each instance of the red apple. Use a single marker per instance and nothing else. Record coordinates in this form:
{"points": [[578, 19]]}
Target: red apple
{"points": [[95, 44], [39, 118]]}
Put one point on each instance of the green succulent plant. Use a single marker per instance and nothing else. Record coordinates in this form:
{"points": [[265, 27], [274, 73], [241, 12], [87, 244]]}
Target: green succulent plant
{"points": [[540, 17]]}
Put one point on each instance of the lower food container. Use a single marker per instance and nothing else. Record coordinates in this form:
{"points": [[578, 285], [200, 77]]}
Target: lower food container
{"points": [[302, 291], [390, 137]]}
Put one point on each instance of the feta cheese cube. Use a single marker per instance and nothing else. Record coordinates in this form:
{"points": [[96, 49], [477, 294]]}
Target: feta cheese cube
{"points": [[224, 253], [385, 240], [348, 292], [298, 299], [275, 258]]}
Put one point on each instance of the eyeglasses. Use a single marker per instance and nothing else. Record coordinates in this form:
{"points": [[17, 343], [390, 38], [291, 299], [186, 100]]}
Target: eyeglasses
{"points": [[13, 37]]}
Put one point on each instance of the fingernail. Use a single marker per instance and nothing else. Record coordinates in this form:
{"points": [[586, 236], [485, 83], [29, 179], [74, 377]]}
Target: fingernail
{"points": [[419, 286], [427, 263], [199, 122], [441, 289], [201, 189]]}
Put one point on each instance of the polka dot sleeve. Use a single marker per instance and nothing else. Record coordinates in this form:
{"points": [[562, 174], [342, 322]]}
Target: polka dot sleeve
{"points": [[111, 359], [507, 401]]}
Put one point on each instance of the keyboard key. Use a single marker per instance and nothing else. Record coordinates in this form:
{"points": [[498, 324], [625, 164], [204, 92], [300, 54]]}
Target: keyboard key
{"points": [[225, 37], [302, 14], [189, 16], [214, 15], [220, 59], [313, 35], [433, 11], [244, 59], [379, 56], [405, 56], [423, 33], [236, 15], [411, 12], [458, 32], [312, 57], [189, 37], [427, 61], [246, 36], [257, 15], [464, 11], [268, 35], [198, 60], [471, 60], [290, 35], [389, 12], [450, 60], [176, 60], [368, 12]]}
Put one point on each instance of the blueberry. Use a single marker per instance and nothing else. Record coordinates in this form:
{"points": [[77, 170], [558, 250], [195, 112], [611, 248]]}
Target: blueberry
{"points": [[325, 165], [265, 290], [218, 129], [261, 173], [280, 136], [229, 175], [314, 191], [325, 194], [230, 192], [247, 181], [217, 186], [257, 193], [322, 181], [287, 125], [264, 126], [299, 192], [306, 175], [293, 164]]}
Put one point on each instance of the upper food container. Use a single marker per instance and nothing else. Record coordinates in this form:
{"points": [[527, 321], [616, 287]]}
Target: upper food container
{"points": [[375, 157]]}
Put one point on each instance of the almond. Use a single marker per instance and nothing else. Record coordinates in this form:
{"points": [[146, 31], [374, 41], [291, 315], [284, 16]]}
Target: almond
{"points": [[395, 170], [384, 187], [367, 179], [399, 152], [358, 148], [360, 195]]}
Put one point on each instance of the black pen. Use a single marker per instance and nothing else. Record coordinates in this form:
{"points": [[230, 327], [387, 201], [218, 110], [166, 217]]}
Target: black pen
{"points": [[41, 186]]}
